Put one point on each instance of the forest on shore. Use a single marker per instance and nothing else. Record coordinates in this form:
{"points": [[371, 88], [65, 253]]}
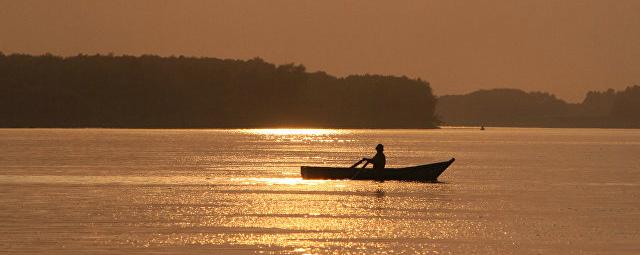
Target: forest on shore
{"points": [[186, 92], [516, 108]]}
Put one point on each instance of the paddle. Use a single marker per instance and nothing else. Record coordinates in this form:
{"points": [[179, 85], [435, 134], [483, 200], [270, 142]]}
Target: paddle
{"points": [[359, 170], [357, 163]]}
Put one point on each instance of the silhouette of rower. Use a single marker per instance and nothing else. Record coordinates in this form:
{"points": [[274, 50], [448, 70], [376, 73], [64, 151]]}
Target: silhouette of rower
{"points": [[379, 160]]}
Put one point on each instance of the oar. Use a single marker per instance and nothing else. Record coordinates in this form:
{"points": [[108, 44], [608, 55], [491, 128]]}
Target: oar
{"points": [[356, 164], [359, 170]]}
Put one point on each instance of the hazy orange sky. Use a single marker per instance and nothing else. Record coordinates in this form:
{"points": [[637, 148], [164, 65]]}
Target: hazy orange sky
{"points": [[566, 47]]}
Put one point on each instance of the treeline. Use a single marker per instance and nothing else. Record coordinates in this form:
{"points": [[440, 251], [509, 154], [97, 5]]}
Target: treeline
{"points": [[185, 92], [516, 108]]}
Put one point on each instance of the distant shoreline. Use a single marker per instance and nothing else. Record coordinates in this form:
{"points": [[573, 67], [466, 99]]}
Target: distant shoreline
{"points": [[320, 128], [517, 108]]}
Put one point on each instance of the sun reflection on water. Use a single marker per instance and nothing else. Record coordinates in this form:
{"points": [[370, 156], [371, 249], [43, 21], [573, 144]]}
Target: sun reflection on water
{"points": [[301, 135], [294, 131], [280, 181]]}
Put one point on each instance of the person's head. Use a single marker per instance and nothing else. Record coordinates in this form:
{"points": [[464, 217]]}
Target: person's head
{"points": [[379, 147]]}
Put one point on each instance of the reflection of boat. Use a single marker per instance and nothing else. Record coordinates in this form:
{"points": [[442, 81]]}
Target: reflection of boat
{"points": [[427, 173]]}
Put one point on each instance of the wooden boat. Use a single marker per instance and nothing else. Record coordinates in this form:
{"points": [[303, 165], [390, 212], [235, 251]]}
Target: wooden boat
{"points": [[424, 173]]}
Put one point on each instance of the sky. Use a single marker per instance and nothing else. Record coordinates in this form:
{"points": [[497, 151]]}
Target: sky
{"points": [[565, 47]]}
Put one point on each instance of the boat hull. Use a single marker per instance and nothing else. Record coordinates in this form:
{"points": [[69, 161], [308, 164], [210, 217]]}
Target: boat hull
{"points": [[426, 173]]}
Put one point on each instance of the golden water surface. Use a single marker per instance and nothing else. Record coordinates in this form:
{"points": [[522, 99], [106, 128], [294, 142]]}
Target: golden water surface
{"points": [[105, 191]]}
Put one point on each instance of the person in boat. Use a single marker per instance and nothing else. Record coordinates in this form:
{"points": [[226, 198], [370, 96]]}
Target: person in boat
{"points": [[378, 160]]}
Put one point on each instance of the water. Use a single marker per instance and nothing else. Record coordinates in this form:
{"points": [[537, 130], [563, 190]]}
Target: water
{"points": [[102, 191]]}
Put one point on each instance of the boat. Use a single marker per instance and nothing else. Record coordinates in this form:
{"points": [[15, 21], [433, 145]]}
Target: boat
{"points": [[422, 173]]}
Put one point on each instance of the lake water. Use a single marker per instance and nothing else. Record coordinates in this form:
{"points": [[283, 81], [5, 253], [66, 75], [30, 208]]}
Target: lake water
{"points": [[522, 191]]}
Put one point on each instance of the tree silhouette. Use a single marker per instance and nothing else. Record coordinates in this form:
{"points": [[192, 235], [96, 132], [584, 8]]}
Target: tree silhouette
{"points": [[512, 107], [185, 92]]}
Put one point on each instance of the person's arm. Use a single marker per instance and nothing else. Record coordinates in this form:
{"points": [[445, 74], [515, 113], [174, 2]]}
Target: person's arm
{"points": [[368, 161], [375, 158]]}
